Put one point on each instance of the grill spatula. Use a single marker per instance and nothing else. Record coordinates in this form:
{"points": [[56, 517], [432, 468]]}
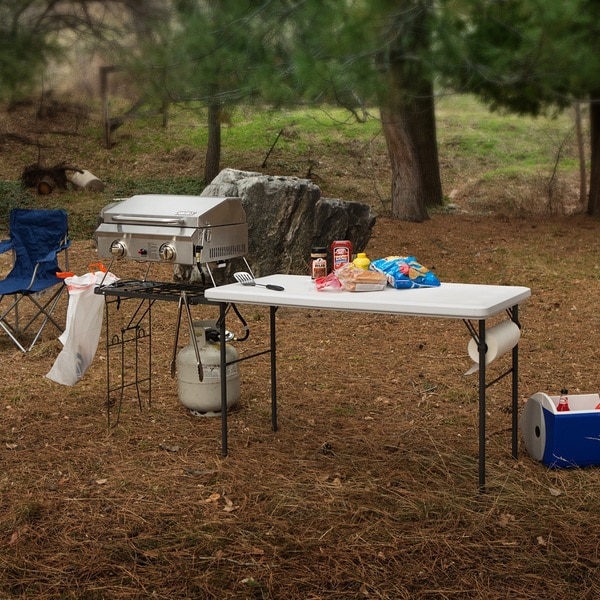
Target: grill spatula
{"points": [[247, 279]]}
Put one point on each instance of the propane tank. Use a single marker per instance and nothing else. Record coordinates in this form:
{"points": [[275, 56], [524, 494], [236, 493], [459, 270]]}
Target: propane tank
{"points": [[203, 398]]}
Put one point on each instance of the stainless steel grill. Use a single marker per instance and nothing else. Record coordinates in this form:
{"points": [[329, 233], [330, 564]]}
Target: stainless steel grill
{"points": [[180, 230], [184, 230]]}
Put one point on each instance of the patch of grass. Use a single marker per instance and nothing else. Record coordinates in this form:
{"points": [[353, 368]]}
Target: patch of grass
{"points": [[496, 144], [29, 512], [129, 186], [12, 195], [347, 159]]}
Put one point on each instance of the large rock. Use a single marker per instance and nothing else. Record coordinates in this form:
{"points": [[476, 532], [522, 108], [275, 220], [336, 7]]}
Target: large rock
{"points": [[287, 217]]}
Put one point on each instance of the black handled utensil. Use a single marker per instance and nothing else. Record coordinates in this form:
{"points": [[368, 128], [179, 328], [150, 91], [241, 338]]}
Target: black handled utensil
{"points": [[247, 279]]}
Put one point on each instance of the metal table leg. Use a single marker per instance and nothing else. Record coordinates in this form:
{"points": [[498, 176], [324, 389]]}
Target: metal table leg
{"points": [[515, 388], [273, 349], [482, 387], [223, 372]]}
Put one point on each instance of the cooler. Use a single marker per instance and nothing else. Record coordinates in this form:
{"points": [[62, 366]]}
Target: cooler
{"points": [[562, 439]]}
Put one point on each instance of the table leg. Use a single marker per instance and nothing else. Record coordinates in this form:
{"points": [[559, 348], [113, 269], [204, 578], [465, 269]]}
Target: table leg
{"points": [[515, 388], [482, 388], [273, 310], [223, 371]]}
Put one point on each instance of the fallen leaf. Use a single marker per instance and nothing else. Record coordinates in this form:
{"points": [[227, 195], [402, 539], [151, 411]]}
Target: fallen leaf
{"points": [[229, 507], [169, 448], [554, 492], [506, 518], [101, 481], [14, 538]]}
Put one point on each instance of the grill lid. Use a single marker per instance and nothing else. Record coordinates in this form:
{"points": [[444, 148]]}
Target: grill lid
{"points": [[176, 229], [175, 211]]}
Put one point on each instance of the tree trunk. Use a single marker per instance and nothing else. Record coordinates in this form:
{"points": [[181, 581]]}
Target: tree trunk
{"points": [[408, 118], [213, 148], [407, 198], [425, 138], [594, 197], [581, 154]]}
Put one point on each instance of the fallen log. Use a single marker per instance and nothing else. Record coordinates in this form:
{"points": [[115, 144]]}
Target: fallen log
{"points": [[46, 185], [35, 174], [85, 180]]}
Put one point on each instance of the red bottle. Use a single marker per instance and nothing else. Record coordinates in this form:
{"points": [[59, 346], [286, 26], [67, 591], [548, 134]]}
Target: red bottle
{"points": [[563, 402], [341, 253]]}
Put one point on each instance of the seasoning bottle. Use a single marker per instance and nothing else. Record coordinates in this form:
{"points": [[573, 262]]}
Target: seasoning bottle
{"points": [[318, 262], [563, 401], [341, 253], [361, 261]]}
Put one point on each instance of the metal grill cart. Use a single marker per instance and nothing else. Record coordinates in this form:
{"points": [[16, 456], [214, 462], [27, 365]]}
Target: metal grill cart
{"points": [[206, 233]]}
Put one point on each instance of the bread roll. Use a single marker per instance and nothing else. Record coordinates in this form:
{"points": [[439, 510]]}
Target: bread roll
{"points": [[354, 279]]}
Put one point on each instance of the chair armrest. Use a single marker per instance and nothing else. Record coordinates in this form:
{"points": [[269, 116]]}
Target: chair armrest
{"points": [[52, 254], [5, 246]]}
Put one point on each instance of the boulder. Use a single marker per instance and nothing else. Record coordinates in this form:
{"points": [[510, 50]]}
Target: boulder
{"points": [[287, 217]]}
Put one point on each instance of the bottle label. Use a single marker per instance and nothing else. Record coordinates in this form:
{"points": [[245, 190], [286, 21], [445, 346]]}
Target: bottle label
{"points": [[341, 256], [319, 268]]}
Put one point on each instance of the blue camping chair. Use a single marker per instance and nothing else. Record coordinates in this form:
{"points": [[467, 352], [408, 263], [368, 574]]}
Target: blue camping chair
{"points": [[36, 239]]}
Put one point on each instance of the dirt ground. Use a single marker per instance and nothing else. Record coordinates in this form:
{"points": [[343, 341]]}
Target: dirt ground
{"points": [[369, 487]]}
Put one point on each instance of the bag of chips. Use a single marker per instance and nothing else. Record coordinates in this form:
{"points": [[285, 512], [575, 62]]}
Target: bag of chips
{"points": [[405, 272]]}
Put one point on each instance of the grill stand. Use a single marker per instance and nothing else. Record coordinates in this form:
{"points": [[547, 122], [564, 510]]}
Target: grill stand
{"points": [[137, 331]]}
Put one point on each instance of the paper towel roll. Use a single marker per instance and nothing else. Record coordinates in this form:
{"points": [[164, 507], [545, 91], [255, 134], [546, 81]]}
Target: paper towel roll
{"points": [[498, 339]]}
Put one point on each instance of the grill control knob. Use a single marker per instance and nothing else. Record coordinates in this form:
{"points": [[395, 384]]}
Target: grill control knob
{"points": [[118, 249], [167, 253]]}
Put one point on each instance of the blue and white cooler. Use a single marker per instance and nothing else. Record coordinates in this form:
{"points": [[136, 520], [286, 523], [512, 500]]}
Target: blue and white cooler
{"points": [[562, 439]]}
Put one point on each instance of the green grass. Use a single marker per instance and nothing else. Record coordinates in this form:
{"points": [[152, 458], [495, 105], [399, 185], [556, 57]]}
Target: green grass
{"points": [[490, 150], [468, 130]]}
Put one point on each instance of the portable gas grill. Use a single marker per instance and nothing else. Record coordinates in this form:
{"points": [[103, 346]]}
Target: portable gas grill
{"points": [[184, 230], [169, 229]]}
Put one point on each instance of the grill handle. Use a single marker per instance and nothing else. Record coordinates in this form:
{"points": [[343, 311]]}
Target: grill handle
{"points": [[162, 220]]}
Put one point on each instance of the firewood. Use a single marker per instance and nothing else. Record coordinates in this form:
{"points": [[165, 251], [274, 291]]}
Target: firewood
{"points": [[86, 181], [46, 185]]}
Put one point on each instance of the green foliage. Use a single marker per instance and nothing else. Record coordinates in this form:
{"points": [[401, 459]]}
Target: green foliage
{"points": [[27, 43], [12, 195], [526, 55], [493, 149], [22, 56]]}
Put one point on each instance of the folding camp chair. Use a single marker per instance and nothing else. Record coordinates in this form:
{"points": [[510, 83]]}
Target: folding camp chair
{"points": [[36, 239]]}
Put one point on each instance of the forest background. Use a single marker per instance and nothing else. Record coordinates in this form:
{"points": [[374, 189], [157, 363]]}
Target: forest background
{"points": [[369, 488]]}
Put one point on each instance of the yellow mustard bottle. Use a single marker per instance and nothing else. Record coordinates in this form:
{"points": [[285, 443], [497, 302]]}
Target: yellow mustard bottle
{"points": [[361, 261]]}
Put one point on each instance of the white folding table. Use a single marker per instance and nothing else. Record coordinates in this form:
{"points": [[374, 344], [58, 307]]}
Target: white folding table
{"points": [[468, 302]]}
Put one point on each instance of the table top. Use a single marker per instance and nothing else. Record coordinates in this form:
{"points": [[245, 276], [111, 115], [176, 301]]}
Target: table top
{"points": [[449, 300]]}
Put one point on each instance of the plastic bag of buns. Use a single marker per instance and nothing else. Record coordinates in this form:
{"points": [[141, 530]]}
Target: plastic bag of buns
{"points": [[354, 279]]}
